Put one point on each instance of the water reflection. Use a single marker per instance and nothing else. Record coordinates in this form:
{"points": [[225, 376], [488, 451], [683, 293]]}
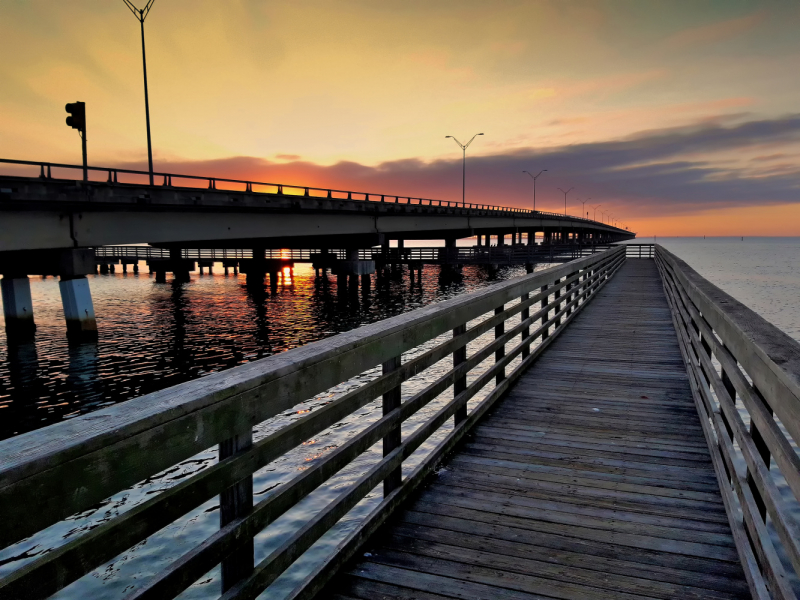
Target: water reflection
{"points": [[82, 373], [154, 335], [20, 401]]}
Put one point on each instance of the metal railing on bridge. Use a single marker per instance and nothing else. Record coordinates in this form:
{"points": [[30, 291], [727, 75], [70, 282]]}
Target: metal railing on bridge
{"points": [[50, 474], [460, 255], [111, 175]]}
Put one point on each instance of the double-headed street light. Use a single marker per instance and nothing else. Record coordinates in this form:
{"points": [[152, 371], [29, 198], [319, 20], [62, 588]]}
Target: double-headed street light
{"points": [[594, 214], [464, 165], [534, 177], [141, 15], [565, 198]]}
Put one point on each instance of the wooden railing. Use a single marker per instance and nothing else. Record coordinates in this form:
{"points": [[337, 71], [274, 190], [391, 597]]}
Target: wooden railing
{"points": [[53, 473], [640, 250], [745, 376]]}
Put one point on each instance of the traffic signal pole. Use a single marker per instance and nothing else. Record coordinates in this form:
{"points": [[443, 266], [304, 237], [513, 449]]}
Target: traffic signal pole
{"points": [[85, 161], [77, 120]]}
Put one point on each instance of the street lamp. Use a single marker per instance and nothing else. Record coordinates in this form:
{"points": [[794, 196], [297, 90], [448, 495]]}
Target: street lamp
{"points": [[594, 215], [141, 15], [534, 177], [603, 216], [583, 203], [464, 166], [565, 198]]}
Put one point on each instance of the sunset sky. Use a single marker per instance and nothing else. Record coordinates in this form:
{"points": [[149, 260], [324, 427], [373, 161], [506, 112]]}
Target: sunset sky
{"points": [[681, 117]]}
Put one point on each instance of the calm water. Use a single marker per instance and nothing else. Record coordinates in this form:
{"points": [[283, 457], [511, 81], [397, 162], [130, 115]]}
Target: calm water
{"points": [[763, 273], [152, 336], [156, 335]]}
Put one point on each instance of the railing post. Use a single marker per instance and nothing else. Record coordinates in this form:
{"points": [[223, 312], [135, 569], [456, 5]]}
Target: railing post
{"points": [[526, 331], [557, 295], [460, 384], [391, 401], [234, 503], [570, 294], [546, 315], [763, 452], [499, 330]]}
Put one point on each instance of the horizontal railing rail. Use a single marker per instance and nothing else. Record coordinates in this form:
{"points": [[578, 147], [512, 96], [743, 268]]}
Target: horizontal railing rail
{"points": [[640, 250], [745, 376], [112, 176], [490, 336]]}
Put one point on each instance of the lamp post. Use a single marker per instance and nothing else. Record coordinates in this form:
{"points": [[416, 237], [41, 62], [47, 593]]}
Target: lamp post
{"points": [[534, 177], [464, 166], [565, 198], [141, 15], [594, 214], [583, 204], [603, 216]]}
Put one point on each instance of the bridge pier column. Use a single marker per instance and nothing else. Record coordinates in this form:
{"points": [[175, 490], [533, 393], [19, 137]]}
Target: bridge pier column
{"points": [[76, 299], [18, 306]]}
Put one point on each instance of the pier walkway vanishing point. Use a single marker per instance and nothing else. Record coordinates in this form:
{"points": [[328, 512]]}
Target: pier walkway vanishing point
{"points": [[591, 479], [613, 427]]}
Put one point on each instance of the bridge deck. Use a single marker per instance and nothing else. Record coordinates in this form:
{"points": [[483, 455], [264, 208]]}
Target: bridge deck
{"points": [[591, 480]]}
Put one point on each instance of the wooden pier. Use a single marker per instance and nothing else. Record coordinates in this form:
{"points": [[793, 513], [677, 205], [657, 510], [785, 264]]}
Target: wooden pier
{"points": [[592, 479], [612, 427]]}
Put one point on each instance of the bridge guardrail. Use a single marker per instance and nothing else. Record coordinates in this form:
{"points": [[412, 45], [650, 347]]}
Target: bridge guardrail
{"points": [[45, 172], [745, 376], [50, 474], [466, 254]]}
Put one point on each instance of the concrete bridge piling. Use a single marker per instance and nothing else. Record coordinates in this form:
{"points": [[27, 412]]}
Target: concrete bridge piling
{"points": [[71, 265]]}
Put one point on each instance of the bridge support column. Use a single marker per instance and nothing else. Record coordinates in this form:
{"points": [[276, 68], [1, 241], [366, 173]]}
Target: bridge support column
{"points": [[78, 309], [18, 306]]}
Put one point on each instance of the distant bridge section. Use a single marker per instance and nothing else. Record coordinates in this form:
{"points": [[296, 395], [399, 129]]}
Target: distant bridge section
{"points": [[46, 211], [51, 224]]}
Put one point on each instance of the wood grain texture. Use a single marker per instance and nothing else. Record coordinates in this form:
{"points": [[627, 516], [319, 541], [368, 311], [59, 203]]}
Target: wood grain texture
{"points": [[591, 479]]}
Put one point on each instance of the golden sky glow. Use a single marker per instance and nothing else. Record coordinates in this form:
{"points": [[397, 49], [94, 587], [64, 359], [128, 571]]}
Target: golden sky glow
{"points": [[361, 94]]}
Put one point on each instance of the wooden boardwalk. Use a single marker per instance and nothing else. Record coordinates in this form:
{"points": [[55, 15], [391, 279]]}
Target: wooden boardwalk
{"points": [[591, 480]]}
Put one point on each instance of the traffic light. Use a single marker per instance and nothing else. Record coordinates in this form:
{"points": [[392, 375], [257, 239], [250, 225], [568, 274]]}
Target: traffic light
{"points": [[77, 118]]}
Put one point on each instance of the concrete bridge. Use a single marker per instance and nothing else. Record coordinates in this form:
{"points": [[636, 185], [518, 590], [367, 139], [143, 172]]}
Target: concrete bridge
{"points": [[612, 427], [50, 224]]}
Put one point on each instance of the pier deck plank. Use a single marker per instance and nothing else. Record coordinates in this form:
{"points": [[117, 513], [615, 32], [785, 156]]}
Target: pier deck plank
{"points": [[590, 480]]}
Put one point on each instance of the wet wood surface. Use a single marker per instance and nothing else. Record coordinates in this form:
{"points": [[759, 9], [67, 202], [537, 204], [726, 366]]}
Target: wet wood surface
{"points": [[591, 480]]}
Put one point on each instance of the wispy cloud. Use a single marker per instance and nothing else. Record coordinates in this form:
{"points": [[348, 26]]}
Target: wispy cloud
{"points": [[715, 32]]}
